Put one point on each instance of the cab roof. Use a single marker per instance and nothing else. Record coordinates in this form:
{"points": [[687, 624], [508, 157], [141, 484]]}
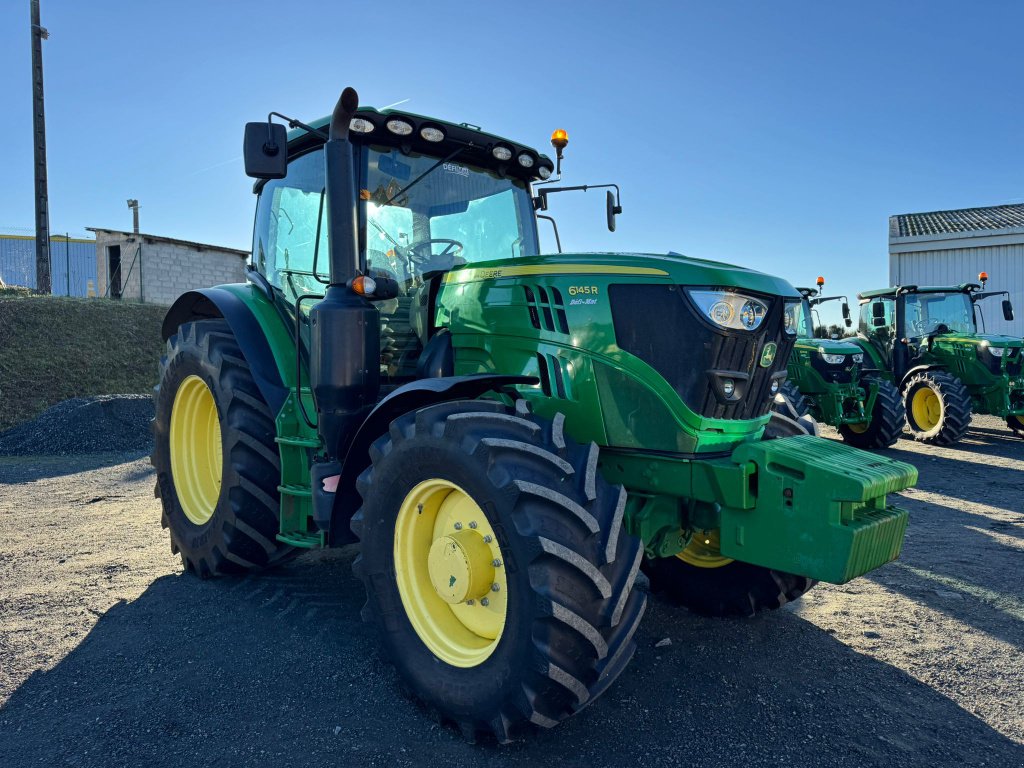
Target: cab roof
{"points": [[893, 290], [477, 145]]}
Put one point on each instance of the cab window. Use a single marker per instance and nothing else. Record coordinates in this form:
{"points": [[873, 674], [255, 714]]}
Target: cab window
{"points": [[285, 235]]}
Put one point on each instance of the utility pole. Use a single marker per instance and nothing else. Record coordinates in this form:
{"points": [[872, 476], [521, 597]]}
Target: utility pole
{"points": [[39, 132], [134, 205]]}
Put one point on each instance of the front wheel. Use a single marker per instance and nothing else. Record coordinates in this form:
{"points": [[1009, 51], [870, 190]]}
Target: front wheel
{"points": [[938, 407], [496, 567], [887, 419], [707, 583]]}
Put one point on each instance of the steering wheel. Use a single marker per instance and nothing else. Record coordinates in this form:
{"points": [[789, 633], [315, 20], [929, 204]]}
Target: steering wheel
{"points": [[452, 251]]}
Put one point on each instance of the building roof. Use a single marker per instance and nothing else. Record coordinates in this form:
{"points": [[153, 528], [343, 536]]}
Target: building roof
{"points": [[172, 240], [961, 220]]}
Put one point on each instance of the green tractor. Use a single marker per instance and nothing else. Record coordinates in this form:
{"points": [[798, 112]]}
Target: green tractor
{"points": [[828, 381], [926, 340], [507, 435]]}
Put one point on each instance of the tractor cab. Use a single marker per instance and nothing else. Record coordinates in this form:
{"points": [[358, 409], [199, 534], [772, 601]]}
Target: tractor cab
{"points": [[903, 323], [432, 196]]}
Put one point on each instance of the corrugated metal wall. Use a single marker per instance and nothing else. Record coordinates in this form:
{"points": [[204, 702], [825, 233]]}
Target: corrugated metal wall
{"points": [[1004, 264], [72, 263]]}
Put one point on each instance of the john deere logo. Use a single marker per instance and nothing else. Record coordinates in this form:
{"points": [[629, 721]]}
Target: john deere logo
{"points": [[768, 354], [451, 582]]}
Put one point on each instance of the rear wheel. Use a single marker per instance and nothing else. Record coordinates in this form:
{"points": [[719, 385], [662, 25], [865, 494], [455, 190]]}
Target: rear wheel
{"points": [[496, 567], [938, 407], [216, 461], [887, 419]]}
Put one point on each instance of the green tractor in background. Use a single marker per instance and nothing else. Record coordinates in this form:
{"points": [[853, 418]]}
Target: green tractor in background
{"points": [[926, 340], [828, 381], [508, 435]]}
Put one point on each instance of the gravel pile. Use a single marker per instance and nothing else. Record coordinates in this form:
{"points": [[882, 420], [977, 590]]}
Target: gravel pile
{"points": [[84, 425]]}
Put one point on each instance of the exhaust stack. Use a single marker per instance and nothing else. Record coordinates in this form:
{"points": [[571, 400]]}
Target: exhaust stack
{"points": [[344, 355]]}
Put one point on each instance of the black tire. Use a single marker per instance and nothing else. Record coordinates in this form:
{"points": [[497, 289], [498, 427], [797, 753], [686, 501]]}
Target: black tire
{"points": [[955, 416], [571, 567], [789, 395], [887, 419], [241, 534], [735, 589], [781, 425], [1016, 425]]}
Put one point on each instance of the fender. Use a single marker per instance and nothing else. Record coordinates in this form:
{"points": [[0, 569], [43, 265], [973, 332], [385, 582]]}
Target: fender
{"points": [[915, 370], [238, 305], [410, 397]]}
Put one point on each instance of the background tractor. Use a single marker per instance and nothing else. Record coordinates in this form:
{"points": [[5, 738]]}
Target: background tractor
{"points": [[507, 435], [926, 340], [829, 381]]}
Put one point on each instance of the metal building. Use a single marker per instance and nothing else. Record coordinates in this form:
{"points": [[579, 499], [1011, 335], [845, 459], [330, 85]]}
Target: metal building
{"points": [[952, 247], [72, 263]]}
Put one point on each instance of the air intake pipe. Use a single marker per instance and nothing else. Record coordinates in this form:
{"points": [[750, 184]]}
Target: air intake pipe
{"points": [[344, 358]]}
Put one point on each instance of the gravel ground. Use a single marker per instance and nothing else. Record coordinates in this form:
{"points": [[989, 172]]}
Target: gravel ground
{"points": [[84, 425], [110, 656]]}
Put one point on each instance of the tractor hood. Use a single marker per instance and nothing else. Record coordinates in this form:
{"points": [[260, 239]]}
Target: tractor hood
{"points": [[829, 346], [980, 339], [670, 268]]}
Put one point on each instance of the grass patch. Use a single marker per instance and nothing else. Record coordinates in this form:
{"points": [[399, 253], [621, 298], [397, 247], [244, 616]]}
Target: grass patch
{"points": [[53, 348]]}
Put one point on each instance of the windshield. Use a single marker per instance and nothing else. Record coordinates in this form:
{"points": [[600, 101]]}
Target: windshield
{"points": [[449, 215], [929, 313]]}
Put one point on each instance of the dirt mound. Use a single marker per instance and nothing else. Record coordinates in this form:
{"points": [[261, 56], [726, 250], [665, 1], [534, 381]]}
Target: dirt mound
{"points": [[84, 425]]}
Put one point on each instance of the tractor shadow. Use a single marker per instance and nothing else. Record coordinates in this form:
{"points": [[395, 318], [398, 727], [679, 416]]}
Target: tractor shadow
{"points": [[278, 670], [16, 470]]}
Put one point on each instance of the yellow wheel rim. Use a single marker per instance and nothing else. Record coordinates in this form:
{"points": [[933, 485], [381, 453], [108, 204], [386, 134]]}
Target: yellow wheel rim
{"points": [[860, 427], [196, 458], [450, 573], [703, 551], [927, 409], [1020, 421]]}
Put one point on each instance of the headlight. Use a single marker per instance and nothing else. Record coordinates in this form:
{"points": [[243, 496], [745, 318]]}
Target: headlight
{"points": [[791, 317], [997, 351], [858, 358], [730, 310], [831, 359]]}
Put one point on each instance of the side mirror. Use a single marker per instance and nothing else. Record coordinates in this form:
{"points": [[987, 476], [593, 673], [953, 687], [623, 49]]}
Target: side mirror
{"points": [[1007, 310], [265, 149], [846, 315], [612, 209]]}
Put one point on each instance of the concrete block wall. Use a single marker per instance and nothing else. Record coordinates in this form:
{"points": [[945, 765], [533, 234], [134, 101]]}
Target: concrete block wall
{"points": [[164, 270]]}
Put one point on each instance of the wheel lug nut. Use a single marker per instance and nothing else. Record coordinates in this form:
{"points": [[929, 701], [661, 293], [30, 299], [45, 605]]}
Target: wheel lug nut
{"points": [[495, 587], [470, 602], [488, 539], [496, 563], [485, 602], [458, 526], [472, 524]]}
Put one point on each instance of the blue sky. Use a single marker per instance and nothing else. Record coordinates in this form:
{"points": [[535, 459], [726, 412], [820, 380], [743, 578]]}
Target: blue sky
{"points": [[775, 135]]}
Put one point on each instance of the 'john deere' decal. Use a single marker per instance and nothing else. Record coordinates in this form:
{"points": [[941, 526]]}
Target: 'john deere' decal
{"points": [[768, 354]]}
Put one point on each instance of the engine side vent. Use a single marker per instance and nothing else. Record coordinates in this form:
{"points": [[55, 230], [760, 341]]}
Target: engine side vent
{"points": [[547, 310], [554, 379], [545, 374]]}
